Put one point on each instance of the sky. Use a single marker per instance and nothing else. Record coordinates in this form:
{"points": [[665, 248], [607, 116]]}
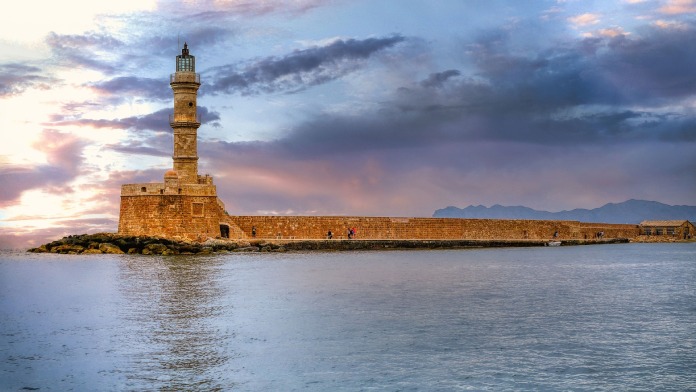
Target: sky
{"points": [[347, 107]]}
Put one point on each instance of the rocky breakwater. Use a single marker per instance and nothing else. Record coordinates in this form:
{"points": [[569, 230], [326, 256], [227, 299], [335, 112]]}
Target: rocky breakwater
{"points": [[117, 244]]}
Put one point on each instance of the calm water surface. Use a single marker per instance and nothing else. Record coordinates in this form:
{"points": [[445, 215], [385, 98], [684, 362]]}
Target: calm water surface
{"points": [[611, 317]]}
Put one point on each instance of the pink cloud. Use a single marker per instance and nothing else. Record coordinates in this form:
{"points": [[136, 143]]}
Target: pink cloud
{"points": [[266, 7], [584, 19], [674, 7], [64, 162]]}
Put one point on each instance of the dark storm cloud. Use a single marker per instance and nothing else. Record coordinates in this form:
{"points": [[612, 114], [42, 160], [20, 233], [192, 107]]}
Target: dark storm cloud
{"points": [[659, 66], [565, 94], [64, 155], [297, 70], [156, 121], [133, 86], [15, 78], [653, 66], [437, 79]]}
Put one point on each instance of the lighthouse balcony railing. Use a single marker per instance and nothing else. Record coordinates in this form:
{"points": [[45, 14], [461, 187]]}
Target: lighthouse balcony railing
{"points": [[184, 118], [185, 77]]}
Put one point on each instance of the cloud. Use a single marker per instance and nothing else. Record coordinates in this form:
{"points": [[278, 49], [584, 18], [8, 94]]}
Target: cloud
{"points": [[205, 33], [600, 91], [64, 163], [612, 32], [257, 8], [254, 178], [584, 19], [437, 79], [156, 121], [158, 145], [90, 50], [15, 78], [637, 67], [151, 37], [674, 7], [156, 43], [133, 86], [297, 70], [670, 24]]}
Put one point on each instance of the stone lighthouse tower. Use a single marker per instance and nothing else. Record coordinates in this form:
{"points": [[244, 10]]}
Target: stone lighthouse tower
{"points": [[185, 205], [185, 121]]}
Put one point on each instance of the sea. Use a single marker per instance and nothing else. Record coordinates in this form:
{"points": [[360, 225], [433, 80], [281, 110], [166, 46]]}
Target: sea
{"points": [[580, 318]]}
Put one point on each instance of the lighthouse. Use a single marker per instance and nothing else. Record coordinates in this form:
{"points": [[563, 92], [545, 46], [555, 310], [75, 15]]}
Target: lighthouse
{"points": [[185, 119], [185, 205]]}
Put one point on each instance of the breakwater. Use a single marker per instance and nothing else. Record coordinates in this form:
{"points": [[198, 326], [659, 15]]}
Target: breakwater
{"points": [[109, 243], [393, 228]]}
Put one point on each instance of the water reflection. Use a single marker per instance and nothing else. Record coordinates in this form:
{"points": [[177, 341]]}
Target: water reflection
{"points": [[172, 310]]}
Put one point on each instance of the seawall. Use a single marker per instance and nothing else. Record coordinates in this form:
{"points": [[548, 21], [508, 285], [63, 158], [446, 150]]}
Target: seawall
{"points": [[388, 228]]}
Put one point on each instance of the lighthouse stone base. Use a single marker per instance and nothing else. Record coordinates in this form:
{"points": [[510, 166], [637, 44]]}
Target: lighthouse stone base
{"points": [[174, 210]]}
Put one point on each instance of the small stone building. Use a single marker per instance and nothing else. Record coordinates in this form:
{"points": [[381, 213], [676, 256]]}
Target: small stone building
{"points": [[680, 229]]}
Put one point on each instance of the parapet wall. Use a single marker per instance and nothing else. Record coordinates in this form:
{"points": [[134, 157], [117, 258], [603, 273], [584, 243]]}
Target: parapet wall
{"points": [[203, 188], [316, 227]]}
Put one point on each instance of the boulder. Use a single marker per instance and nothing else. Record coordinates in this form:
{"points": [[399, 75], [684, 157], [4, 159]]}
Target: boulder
{"points": [[206, 250], [67, 248], [110, 248], [169, 252], [40, 249], [154, 249]]}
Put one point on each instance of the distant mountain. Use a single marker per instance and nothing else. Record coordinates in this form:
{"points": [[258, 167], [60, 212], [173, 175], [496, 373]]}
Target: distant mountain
{"points": [[631, 211]]}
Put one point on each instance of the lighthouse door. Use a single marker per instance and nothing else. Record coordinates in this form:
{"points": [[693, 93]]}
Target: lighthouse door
{"points": [[224, 231]]}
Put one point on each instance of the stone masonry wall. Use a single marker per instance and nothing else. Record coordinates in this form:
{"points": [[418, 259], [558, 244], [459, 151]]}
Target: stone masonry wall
{"points": [[171, 216], [315, 227]]}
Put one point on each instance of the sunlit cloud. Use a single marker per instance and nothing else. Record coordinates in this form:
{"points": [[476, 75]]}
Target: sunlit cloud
{"points": [[612, 32], [256, 8], [670, 24], [584, 19], [675, 7], [29, 21]]}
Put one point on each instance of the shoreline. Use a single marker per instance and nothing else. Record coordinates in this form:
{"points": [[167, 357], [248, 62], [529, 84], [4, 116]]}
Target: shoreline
{"points": [[111, 243]]}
